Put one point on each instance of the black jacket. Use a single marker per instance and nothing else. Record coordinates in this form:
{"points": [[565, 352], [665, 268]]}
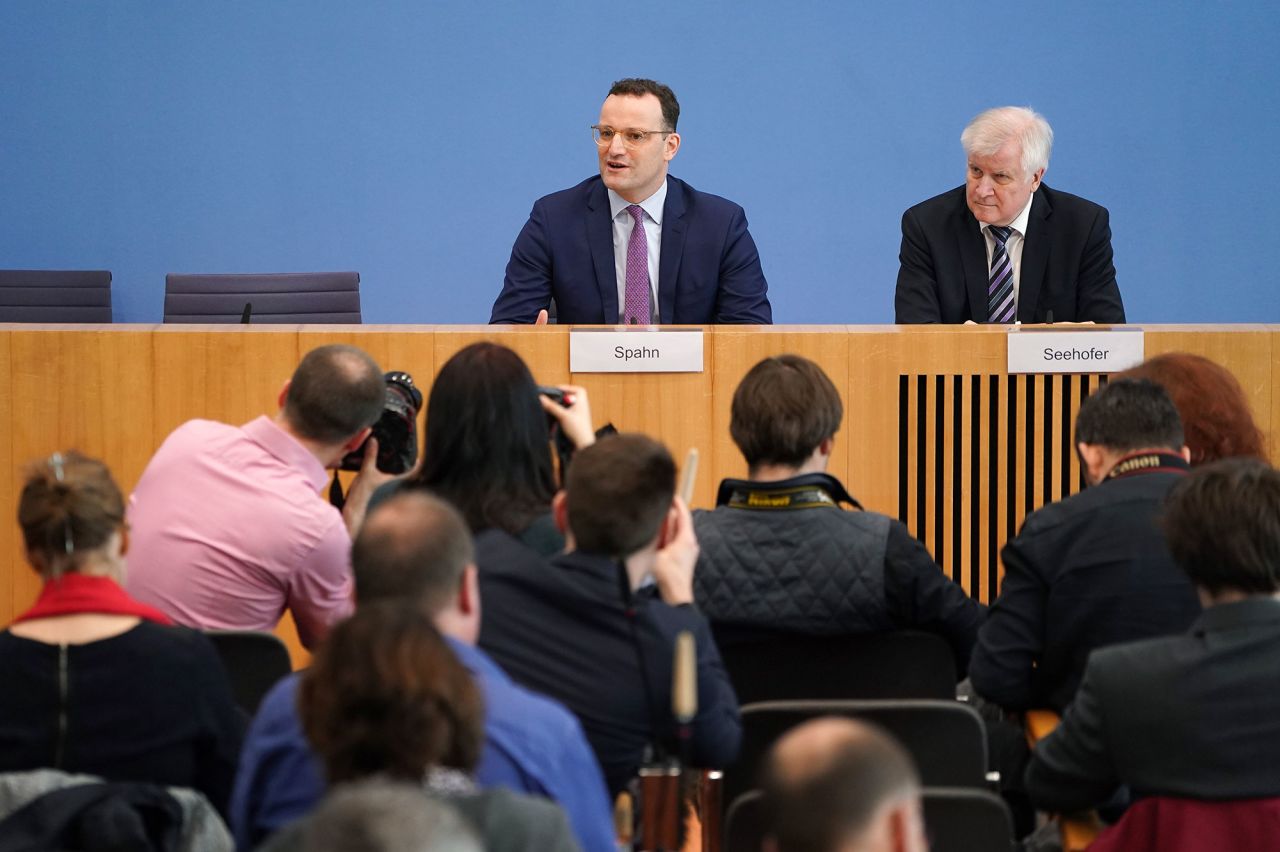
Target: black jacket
{"points": [[1085, 572], [567, 628], [1193, 716], [1066, 262], [822, 571]]}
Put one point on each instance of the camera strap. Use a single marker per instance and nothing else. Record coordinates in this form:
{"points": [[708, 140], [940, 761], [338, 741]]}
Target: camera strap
{"points": [[336, 496], [809, 491]]}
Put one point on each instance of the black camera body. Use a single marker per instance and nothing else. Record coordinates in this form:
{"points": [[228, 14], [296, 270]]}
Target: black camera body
{"points": [[396, 430]]}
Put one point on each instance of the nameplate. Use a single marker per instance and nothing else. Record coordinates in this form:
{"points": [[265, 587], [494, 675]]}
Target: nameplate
{"points": [[1046, 350], [635, 350]]}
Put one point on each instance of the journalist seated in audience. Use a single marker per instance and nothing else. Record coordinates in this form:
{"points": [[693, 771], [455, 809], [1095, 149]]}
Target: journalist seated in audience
{"points": [[95, 682], [415, 549], [778, 541], [386, 816], [486, 447], [1197, 715], [386, 697], [1215, 413], [1092, 569], [596, 627], [837, 785]]}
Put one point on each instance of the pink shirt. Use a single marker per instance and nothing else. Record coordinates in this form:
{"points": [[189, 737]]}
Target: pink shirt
{"points": [[228, 528]]}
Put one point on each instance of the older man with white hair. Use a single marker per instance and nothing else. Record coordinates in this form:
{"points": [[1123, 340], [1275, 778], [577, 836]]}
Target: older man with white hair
{"points": [[1005, 247]]}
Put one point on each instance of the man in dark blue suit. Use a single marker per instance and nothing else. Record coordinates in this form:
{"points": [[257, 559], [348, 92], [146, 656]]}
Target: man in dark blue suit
{"points": [[635, 246]]}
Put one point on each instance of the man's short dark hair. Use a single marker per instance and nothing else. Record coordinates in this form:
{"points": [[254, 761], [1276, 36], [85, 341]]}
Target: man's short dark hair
{"points": [[336, 391], [639, 87], [619, 491], [412, 548], [783, 408], [836, 796], [1223, 526], [1129, 414]]}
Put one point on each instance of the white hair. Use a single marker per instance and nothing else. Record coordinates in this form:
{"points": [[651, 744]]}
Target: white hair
{"points": [[990, 130]]}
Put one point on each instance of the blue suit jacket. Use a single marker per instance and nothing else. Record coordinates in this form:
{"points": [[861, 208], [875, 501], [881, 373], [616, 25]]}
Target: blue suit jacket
{"points": [[531, 745], [709, 270]]}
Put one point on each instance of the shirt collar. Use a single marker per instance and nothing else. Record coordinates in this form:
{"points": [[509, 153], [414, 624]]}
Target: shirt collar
{"points": [[1260, 609], [1019, 224], [267, 434], [651, 205]]}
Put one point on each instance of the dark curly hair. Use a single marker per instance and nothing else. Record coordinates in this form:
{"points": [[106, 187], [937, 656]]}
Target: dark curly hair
{"points": [[385, 695]]}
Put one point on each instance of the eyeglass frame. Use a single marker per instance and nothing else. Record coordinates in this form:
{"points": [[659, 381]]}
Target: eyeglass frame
{"points": [[630, 146]]}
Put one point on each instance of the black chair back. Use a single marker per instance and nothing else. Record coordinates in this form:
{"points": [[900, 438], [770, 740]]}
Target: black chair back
{"points": [[254, 662], [287, 297], [966, 820], [744, 826], [956, 820], [782, 666], [946, 739], [48, 295]]}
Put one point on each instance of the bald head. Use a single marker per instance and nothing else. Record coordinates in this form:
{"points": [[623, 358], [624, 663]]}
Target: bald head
{"points": [[412, 548], [837, 784]]}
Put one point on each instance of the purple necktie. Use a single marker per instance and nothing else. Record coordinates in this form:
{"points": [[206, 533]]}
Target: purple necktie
{"points": [[1000, 288], [636, 297]]}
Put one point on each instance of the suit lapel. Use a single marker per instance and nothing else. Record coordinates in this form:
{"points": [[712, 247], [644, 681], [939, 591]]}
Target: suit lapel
{"points": [[973, 258], [1035, 257], [600, 240], [673, 232]]}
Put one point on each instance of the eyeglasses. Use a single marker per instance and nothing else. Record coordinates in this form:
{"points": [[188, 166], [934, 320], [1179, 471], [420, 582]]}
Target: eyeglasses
{"points": [[631, 138]]}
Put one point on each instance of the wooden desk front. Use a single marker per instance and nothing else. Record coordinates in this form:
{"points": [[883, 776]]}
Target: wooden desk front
{"points": [[935, 432]]}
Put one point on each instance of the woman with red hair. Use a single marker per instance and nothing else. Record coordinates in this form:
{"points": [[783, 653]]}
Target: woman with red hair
{"points": [[1215, 413]]}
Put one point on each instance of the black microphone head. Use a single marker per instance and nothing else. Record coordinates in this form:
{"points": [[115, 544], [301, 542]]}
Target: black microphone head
{"points": [[248, 310]]}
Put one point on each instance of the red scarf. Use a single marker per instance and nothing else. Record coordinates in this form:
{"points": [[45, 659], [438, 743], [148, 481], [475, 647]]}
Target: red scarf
{"points": [[75, 593]]}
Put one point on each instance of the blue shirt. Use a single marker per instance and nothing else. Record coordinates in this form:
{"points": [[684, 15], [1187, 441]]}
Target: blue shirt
{"points": [[532, 745]]}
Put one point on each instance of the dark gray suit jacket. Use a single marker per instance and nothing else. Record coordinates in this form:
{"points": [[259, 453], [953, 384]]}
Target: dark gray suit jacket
{"points": [[1192, 716], [1066, 262]]}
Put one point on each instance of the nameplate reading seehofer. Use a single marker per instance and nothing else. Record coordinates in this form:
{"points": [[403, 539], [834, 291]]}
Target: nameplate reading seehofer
{"points": [[1047, 350], [638, 349]]}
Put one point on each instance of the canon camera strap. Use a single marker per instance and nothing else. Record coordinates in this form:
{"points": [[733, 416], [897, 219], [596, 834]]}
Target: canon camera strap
{"points": [[1149, 461]]}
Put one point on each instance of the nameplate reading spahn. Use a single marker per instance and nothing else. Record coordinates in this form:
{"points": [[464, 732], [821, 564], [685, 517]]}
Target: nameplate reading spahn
{"points": [[635, 350], [1046, 350]]}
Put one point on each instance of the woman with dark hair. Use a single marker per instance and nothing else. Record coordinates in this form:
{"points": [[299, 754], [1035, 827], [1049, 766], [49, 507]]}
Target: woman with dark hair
{"points": [[94, 681], [385, 697], [487, 444], [1215, 413]]}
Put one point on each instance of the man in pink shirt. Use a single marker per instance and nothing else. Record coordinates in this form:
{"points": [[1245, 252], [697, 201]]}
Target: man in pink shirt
{"points": [[228, 527]]}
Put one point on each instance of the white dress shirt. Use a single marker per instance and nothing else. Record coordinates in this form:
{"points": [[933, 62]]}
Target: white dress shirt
{"points": [[1013, 246], [622, 225]]}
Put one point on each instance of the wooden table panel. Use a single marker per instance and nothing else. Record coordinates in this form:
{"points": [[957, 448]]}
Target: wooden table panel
{"points": [[117, 391]]}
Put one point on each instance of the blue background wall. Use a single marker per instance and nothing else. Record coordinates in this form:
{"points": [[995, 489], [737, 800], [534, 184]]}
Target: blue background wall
{"points": [[407, 139]]}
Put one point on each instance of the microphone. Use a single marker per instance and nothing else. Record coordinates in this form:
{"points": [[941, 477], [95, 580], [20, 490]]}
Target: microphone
{"points": [[684, 693], [684, 679], [244, 316]]}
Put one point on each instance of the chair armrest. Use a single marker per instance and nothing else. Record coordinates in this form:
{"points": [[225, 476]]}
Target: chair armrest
{"points": [[1039, 724], [1078, 830]]}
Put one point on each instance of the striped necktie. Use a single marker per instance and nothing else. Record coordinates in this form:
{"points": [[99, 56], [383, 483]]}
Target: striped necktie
{"points": [[1000, 290]]}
